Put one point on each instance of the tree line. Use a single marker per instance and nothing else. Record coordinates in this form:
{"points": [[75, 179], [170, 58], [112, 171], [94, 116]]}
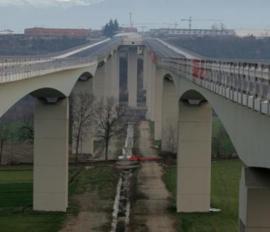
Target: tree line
{"points": [[111, 28]]}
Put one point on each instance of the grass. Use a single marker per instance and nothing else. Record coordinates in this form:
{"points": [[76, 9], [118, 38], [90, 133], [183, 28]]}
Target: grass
{"points": [[225, 186], [102, 179], [16, 196]]}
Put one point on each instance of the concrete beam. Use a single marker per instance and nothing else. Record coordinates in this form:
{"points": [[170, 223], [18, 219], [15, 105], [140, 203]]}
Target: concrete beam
{"points": [[51, 156]]}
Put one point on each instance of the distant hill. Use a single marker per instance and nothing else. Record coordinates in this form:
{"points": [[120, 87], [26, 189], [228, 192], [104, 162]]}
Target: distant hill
{"points": [[26, 45], [226, 47]]}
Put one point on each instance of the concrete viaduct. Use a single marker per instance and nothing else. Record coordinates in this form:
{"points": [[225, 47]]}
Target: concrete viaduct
{"points": [[182, 90]]}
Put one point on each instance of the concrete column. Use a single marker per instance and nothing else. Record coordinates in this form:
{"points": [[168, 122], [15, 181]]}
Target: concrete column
{"points": [[115, 77], [99, 82], [169, 117], [132, 77], [145, 68], [194, 158], [148, 69], [254, 208], [82, 87], [152, 78], [111, 82], [108, 77], [51, 156], [158, 103], [151, 87]]}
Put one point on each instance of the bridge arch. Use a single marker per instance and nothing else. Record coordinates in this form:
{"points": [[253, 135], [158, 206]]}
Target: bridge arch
{"points": [[83, 84], [248, 129], [194, 156], [63, 81]]}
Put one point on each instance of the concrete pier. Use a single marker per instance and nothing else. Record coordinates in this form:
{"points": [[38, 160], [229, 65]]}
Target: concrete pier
{"points": [[158, 103], [51, 156], [132, 77], [169, 116], [99, 81], [194, 157], [254, 208]]}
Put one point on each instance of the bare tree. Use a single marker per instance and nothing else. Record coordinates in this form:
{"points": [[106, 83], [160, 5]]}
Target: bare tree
{"points": [[26, 130], [171, 139], [82, 116], [110, 121]]}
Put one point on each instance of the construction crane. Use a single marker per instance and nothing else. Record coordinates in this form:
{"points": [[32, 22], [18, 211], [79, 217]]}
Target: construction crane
{"points": [[145, 25], [131, 20], [190, 20]]}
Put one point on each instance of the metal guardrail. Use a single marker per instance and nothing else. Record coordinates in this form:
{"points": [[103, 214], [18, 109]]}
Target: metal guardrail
{"points": [[246, 83], [25, 67], [19, 72], [31, 58]]}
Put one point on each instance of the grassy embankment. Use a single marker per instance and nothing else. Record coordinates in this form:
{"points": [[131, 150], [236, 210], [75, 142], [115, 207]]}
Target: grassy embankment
{"points": [[16, 186], [224, 195]]}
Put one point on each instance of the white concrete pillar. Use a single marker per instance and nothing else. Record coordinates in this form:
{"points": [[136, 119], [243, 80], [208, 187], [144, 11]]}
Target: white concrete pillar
{"points": [[169, 117], [152, 94], [158, 103], [115, 77], [194, 158], [82, 87], [108, 77], [254, 200], [132, 77], [99, 82], [145, 68], [148, 69], [51, 156], [111, 82]]}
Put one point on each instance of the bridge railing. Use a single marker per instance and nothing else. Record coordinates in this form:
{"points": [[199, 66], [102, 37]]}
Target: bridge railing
{"points": [[244, 82], [22, 68], [6, 60], [16, 72], [17, 60]]}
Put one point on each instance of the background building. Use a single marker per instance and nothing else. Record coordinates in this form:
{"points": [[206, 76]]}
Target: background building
{"points": [[57, 32]]}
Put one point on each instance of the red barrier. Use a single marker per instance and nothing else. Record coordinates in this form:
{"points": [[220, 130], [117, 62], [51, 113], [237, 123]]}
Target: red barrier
{"points": [[197, 69], [140, 158]]}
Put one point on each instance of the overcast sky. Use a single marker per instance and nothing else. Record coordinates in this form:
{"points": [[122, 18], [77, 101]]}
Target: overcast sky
{"points": [[18, 14]]}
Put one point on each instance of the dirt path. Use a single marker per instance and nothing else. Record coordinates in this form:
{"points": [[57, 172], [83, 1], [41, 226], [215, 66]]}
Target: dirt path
{"points": [[145, 140], [93, 215], [152, 208]]}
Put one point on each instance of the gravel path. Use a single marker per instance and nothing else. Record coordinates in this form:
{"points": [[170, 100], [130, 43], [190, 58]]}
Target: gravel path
{"points": [[153, 207], [92, 217], [146, 141]]}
